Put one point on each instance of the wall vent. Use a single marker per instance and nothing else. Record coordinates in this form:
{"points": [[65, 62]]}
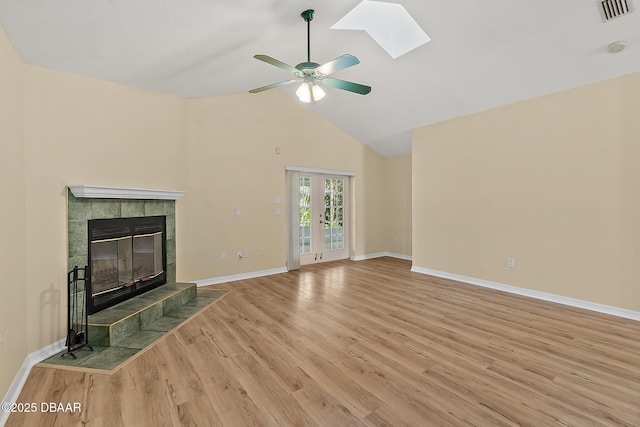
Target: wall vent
{"points": [[610, 9]]}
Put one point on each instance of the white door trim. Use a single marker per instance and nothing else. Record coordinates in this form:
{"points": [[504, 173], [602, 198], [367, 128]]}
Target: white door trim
{"points": [[319, 171]]}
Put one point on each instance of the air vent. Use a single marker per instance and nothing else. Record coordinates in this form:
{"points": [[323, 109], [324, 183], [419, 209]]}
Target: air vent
{"points": [[610, 9]]}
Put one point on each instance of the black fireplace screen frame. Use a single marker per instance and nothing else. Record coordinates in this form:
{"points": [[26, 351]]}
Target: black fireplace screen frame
{"points": [[116, 228]]}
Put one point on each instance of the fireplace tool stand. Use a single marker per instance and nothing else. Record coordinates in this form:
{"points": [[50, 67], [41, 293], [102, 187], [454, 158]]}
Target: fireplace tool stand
{"points": [[78, 317]]}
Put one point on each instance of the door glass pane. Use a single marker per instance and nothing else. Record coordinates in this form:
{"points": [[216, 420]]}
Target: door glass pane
{"points": [[337, 238], [333, 209], [305, 215]]}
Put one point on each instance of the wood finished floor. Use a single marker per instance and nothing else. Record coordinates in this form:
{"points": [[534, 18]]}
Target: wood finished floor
{"points": [[364, 344]]}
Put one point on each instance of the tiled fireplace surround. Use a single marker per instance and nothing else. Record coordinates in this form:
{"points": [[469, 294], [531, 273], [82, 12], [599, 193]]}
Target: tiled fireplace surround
{"points": [[82, 209], [120, 332]]}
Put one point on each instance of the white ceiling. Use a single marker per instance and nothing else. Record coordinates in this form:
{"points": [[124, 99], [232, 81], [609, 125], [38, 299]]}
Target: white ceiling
{"points": [[482, 54]]}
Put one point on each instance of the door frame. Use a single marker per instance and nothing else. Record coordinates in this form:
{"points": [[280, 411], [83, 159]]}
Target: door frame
{"points": [[292, 222]]}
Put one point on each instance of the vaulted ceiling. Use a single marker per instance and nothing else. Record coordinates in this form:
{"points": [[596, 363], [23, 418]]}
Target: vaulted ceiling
{"points": [[482, 54]]}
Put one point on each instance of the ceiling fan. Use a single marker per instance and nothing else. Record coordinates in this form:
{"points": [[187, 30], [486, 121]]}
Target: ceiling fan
{"points": [[311, 73]]}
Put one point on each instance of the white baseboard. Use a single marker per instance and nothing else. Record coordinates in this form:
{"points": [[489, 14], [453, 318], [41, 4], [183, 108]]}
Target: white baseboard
{"points": [[399, 256], [572, 302], [242, 276], [379, 255], [368, 256], [261, 273], [23, 373]]}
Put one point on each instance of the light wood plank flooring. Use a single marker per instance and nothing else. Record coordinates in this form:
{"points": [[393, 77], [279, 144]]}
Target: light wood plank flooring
{"points": [[364, 344]]}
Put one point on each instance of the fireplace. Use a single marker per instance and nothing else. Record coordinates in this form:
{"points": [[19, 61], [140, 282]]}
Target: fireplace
{"points": [[127, 257]]}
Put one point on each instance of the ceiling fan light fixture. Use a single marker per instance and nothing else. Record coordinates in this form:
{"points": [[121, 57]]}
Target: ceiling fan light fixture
{"points": [[317, 92], [310, 92]]}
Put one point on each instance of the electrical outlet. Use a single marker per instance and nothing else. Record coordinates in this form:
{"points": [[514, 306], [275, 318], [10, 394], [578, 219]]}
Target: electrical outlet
{"points": [[511, 262], [223, 255], [239, 254], [245, 254], [394, 240]]}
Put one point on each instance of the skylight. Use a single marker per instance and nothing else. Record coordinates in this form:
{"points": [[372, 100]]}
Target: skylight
{"points": [[389, 24]]}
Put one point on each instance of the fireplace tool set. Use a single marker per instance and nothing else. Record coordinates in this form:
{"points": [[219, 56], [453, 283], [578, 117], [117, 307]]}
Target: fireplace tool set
{"points": [[78, 317]]}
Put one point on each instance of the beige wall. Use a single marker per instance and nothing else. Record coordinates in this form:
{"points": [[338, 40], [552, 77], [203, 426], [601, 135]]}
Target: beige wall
{"points": [[13, 346], [85, 131], [553, 182], [397, 205], [233, 165]]}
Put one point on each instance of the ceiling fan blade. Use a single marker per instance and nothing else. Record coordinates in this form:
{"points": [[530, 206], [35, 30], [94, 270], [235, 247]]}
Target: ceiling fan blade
{"points": [[274, 85], [340, 63], [344, 85], [280, 64]]}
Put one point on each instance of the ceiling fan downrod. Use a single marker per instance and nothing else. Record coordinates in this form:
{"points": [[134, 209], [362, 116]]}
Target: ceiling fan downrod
{"points": [[307, 15]]}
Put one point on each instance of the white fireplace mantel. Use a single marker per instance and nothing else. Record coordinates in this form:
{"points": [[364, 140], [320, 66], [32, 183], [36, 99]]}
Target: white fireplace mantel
{"points": [[96, 192]]}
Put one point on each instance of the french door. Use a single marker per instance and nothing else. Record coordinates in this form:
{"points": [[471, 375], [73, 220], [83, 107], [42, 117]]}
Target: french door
{"points": [[324, 218]]}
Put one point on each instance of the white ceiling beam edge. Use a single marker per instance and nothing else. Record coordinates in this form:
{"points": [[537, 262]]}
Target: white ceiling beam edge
{"points": [[97, 192]]}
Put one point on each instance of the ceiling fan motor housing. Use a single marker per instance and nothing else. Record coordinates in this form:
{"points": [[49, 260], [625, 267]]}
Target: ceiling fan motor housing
{"points": [[307, 67]]}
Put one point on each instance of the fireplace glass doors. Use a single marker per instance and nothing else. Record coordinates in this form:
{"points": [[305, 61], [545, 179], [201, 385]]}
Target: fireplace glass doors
{"points": [[127, 256], [124, 261]]}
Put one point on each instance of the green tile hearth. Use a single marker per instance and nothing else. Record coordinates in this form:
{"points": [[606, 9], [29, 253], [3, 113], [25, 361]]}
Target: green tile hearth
{"points": [[110, 358], [164, 324], [183, 312], [113, 325], [136, 323], [141, 339]]}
